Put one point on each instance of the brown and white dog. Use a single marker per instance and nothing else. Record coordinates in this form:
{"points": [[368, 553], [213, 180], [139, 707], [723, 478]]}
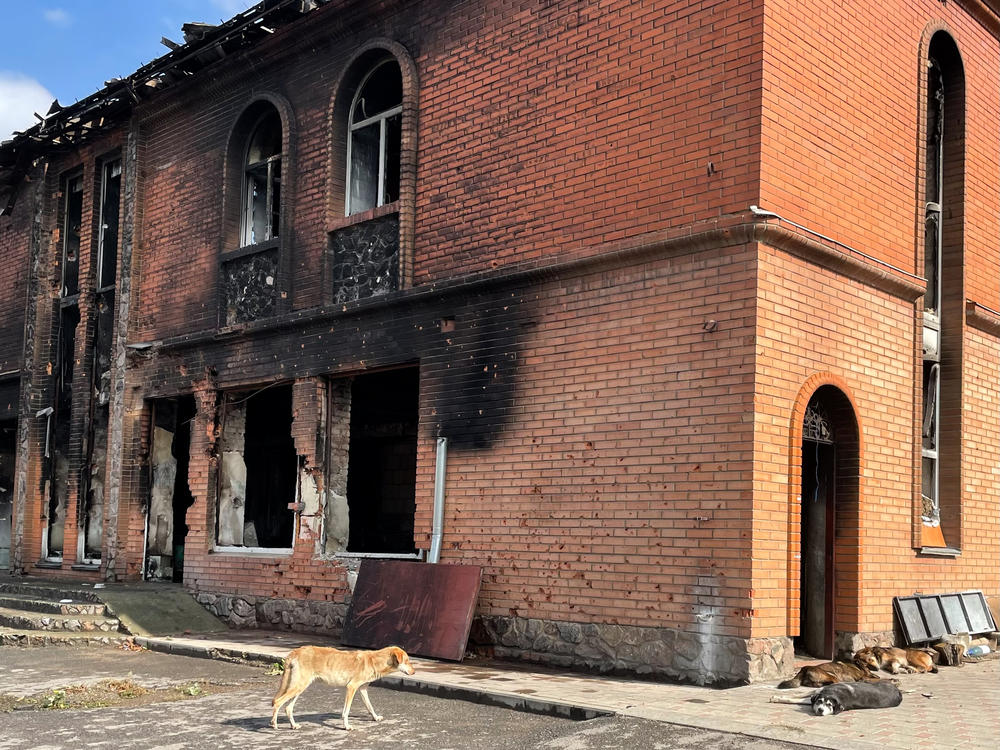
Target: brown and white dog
{"points": [[827, 673], [895, 660], [352, 670]]}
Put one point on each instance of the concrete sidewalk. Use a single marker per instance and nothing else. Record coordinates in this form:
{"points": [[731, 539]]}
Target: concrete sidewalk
{"points": [[958, 708]]}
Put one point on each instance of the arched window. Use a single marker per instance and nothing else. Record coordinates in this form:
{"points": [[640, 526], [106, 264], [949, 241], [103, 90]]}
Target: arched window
{"points": [[944, 202], [374, 137], [262, 181]]}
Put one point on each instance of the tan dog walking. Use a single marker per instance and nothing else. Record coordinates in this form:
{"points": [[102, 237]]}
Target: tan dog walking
{"points": [[352, 670]]}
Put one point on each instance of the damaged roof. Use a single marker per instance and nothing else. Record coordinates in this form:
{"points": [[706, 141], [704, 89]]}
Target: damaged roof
{"points": [[204, 45]]}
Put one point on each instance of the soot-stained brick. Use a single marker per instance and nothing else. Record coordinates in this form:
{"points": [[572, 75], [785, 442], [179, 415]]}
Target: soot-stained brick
{"points": [[477, 372]]}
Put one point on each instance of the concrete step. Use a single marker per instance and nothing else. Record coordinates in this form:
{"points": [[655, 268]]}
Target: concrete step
{"points": [[26, 620], [33, 638], [51, 606], [49, 591]]}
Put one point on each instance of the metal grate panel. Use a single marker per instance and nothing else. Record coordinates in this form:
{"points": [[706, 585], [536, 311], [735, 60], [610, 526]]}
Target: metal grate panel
{"points": [[925, 617]]}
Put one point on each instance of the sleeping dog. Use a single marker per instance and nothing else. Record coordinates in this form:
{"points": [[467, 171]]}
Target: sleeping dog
{"points": [[847, 696]]}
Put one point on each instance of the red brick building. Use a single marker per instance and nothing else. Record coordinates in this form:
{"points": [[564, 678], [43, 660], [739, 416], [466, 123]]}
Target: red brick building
{"points": [[697, 300]]}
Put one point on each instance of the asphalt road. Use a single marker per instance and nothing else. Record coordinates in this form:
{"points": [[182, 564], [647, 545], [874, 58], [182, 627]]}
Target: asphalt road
{"points": [[238, 718]]}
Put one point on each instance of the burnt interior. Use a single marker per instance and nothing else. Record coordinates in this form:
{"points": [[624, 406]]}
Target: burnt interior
{"points": [[272, 466], [381, 475]]}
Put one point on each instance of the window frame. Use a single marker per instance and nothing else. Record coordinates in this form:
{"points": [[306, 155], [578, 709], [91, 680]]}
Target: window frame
{"points": [[382, 119], [272, 176]]}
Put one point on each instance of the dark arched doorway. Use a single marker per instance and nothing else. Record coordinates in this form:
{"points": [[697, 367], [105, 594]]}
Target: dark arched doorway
{"points": [[828, 521], [816, 572]]}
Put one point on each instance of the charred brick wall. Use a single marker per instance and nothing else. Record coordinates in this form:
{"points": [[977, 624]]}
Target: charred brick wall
{"points": [[15, 266], [44, 274], [539, 134], [599, 443]]}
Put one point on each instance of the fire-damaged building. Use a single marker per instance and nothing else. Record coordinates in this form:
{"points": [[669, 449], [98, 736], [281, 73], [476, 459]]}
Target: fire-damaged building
{"points": [[680, 319]]}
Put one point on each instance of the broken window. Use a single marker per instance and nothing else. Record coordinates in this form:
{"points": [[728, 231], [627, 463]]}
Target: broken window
{"points": [[8, 456], [262, 181], [935, 169], [941, 456], [929, 444], [57, 443], [249, 271], [258, 470], [105, 262], [72, 220], [374, 139], [376, 416], [170, 495]]}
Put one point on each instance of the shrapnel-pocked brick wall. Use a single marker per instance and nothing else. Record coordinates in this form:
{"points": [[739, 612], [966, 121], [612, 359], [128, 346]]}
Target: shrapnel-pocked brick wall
{"points": [[619, 350]]}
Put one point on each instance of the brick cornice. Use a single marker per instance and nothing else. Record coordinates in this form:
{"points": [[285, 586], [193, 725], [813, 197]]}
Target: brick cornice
{"points": [[982, 318], [731, 231], [860, 268], [987, 12]]}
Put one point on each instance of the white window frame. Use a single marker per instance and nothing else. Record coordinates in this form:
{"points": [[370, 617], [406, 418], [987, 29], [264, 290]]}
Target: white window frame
{"points": [[381, 118], [269, 163]]}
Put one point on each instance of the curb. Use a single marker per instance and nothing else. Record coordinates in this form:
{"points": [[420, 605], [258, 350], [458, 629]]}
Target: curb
{"points": [[513, 701], [204, 652]]}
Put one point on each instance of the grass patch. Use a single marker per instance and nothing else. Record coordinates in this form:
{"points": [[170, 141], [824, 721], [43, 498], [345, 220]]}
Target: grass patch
{"points": [[105, 693]]}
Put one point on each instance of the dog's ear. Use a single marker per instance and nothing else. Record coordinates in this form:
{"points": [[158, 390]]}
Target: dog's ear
{"points": [[396, 656]]}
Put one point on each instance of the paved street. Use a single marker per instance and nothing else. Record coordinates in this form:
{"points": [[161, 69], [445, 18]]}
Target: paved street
{"points": [[958, 709], [239, 718]]}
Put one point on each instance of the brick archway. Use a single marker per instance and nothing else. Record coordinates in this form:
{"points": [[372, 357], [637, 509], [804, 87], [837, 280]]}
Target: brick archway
{"points": [[835, 395]]}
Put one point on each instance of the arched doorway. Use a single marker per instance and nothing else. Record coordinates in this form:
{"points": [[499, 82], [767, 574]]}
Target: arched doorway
{"points": [[828, 522]]}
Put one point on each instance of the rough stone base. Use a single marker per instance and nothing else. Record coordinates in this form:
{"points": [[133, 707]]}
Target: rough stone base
{"points": [[846, 643], [701, 658], [277, 614]]}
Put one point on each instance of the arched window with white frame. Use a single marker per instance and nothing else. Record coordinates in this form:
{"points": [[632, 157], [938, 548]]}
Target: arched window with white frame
{"points": [[374, 139], [262, 181]]}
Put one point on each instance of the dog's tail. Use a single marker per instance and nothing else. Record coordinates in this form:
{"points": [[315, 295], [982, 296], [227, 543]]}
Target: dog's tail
{"points": [[286, 679], [795, 682]]}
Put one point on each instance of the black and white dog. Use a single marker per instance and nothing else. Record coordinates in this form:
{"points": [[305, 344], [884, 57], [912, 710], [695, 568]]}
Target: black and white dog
{"points": [[847, 696]]}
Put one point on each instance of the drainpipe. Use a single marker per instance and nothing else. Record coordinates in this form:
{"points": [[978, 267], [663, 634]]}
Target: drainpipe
{"points": [[437, 520], [145, 541]]}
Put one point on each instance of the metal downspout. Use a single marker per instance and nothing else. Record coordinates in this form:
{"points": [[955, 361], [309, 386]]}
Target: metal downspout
{"points": [[437, 520]]}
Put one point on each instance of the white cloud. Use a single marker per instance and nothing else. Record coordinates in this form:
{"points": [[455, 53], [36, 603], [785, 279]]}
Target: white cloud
{"points": [[57, 17], [20, 97]]}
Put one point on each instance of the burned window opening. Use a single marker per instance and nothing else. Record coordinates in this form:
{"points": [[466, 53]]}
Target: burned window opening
{"points": [[72, 221], [262, 181], [375, 138], [365, 259], [58, 430], [258, 470], [107, 238], [104, 262], [8, 456], [249, 288], [382, 462], [170, 493]]}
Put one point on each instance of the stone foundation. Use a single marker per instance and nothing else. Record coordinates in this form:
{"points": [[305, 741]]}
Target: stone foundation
{"points": [[846, 643], [700, 658], [279, 614]]}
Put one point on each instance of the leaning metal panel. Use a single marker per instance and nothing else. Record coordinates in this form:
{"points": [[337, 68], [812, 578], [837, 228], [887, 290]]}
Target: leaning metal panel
{"points": [[926, 617]]}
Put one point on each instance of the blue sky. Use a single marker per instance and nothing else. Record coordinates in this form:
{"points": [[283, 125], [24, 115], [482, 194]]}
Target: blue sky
{"points": [[67, 49]]}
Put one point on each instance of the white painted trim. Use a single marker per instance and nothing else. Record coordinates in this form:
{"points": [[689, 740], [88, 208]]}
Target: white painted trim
{"points": [[253, 551]]}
